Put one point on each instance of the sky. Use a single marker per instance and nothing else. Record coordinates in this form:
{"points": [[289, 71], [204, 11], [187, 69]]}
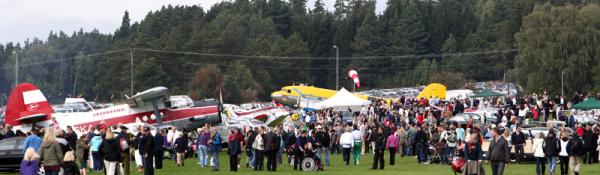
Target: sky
{"points": [[23, 19]]}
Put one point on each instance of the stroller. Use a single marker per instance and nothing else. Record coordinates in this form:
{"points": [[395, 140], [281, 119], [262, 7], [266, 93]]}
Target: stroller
{"points": [[438, 152]]}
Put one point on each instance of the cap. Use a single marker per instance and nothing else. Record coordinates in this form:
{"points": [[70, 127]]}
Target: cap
{"points": [[123, 127]]}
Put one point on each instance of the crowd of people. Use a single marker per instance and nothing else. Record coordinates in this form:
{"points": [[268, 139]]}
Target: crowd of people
{"points": [[406, 127]]}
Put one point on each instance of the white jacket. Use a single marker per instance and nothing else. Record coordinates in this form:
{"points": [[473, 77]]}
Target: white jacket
{"points": [[346, 140], [538, 149]]}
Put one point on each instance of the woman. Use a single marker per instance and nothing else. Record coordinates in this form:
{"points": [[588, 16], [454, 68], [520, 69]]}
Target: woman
{"points": [[51, 153], [402, 141], [202, 147], [29, 164], [473, 155], [234, 149], [576, 151], [82, 154], [181, 147], [95, 147], [110, 152], [551, 147], [69, 166], [259, 148], [538, 153], [563, 155]]}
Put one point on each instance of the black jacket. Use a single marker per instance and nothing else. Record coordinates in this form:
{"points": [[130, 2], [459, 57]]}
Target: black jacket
{"points": [[380, 141], [498, 150], [146, 144], [110, 150], [127, 138], [271, 142], [575, 146], [517, 139], [323, 139], [551, 146], [589, 140], [181, 144], [70, 168]]}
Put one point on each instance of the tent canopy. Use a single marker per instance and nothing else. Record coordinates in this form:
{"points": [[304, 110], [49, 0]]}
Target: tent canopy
{"points": [[590, 103], [488, 93], [433, 90], [342, 98]]}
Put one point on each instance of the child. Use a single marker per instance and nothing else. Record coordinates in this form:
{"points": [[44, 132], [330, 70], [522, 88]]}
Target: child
{"points": [[29, 165], [310, 152], [69, 165]]}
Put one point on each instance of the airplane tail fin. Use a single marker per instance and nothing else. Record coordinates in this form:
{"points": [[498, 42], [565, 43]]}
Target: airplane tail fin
{"points": [[27, 104]]}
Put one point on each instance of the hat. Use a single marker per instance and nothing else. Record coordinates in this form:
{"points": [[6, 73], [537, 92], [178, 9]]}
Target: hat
{"points": [[123, 127], [146, 128]]}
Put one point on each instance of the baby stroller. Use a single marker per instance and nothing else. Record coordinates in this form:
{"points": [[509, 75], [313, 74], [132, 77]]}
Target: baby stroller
{"points": [[311, 161], [438, 153]]}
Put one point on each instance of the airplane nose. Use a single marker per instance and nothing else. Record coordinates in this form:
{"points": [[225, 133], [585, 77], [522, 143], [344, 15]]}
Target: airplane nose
{"points": [[277, 97]]}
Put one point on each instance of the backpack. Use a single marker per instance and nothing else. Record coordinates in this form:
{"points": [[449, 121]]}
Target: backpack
{"points": [[123, 143], [452, 137]]}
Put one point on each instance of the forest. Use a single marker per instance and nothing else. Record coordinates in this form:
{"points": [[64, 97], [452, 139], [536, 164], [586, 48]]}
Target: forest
{"points": [[248, 48]]}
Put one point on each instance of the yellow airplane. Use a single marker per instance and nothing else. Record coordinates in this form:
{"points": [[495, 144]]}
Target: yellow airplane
{"points": [[304, 96]]}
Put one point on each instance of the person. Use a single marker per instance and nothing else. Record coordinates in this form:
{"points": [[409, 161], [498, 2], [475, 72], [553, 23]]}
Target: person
{"points": [[124, 139], [158, 147], [347, 143], [51, 153], [576, 151], [110, 152], [474, 155], [181, 147], [8, 132], [69, 166], [499, 153], [234, 149], [538, 154], [357, 136], [214, 147], [82, 153], [551, 147], [29, 164], [95, 142], [202, 147], [259, 148], [518, 141], [272, 142], [146, 147], [421, 139], [323, 144], [392, 145], [401, 141], [71, 138], [380, 145], [589, 140], [34, 141], [248, 148], [563, 155], [299, 150]]}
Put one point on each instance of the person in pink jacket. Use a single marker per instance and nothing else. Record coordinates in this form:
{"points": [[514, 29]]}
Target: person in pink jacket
{"points": [[392, 146]]}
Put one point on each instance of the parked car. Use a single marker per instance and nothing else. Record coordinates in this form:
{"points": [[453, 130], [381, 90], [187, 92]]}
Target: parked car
{"points": [[11, 153]]}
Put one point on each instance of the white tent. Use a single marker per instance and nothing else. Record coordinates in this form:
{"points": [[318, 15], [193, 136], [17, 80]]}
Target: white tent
{"points": [[342, 98]]}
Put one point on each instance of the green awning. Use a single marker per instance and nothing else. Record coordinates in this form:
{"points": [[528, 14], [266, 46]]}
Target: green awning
{"points": [[590, 103], [488, 93]]}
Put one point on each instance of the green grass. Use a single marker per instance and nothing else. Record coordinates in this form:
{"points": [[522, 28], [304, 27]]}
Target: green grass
{"points": [[406, 165]]}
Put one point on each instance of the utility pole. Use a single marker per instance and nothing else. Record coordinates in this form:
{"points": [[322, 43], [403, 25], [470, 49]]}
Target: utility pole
{"points": [[337, 67], [16, 67], [562, 82], [131, 71]]}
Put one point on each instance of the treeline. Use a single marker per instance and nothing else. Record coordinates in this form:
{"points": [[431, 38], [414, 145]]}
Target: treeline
{"points": [[254, 47]]}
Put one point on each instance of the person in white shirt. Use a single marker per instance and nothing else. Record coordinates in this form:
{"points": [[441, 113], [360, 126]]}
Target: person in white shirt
{"points": [[357, 136], [538, 153], [347, 142]]}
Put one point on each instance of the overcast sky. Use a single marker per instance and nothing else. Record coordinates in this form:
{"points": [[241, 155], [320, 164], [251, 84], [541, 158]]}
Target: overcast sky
{"points": [[22, 19]]}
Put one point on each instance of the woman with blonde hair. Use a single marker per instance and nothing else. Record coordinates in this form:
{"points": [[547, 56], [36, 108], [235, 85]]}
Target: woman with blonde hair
{"points": [[51, 153], [29, 165], [110, 152], [69, 166]]}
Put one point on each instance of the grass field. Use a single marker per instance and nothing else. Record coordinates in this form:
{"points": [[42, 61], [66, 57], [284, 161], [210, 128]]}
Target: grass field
{"points": [[406, 165]]}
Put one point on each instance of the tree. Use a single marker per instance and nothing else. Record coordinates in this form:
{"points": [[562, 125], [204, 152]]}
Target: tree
{"points": [[123, 31], [150, 74], [207, 83]]}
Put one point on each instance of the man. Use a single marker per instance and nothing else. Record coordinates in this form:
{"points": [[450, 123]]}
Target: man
{"points": [[499, 153], [379, 140], [8, 132], [124, 142], [159, 141], [271, 147], [33, 141], [299, 150], [421, 139], [551, 149], [215, 148], [346, 142], [451, 142], [323, 143], [146, 147], [234, 149], [518, 140], [71, 138], [357, 136], [590, 141], [576, 151]]}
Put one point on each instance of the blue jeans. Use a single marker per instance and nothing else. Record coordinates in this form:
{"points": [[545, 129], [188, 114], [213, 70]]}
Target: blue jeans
{"points": [[253, 160], [551, 164], [203, 155], [422, 155], [449, 154], [98, 162], [51, 172], [320, 154], [215, 159], [540, 166]]}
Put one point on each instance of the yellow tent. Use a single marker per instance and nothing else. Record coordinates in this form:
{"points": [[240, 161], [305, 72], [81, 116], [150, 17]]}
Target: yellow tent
{"points": [[433, 90]]}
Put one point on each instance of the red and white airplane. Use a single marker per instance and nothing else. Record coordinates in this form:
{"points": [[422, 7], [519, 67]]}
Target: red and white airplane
{"points": [[27, 107]]}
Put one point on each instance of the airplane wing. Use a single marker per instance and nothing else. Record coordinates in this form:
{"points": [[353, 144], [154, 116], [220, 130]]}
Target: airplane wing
{"points": [[32, 117]]}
